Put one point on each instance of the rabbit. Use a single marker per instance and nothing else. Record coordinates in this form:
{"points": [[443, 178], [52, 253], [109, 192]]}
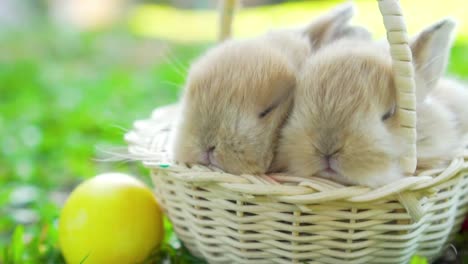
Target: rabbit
{"points": [[443, 124], [239, 94], [454, 94], [442, 116], [344, 125]]}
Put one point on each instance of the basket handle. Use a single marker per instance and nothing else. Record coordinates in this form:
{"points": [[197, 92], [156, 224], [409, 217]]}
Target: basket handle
{"points": [[226, 15], [403, 73]]}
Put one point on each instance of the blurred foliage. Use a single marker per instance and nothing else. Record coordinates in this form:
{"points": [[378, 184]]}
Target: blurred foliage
{"points": [[64, 96]]}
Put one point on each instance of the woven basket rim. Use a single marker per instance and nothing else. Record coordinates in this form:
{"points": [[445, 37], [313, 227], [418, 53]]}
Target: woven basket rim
{"points": [[280, 183]]}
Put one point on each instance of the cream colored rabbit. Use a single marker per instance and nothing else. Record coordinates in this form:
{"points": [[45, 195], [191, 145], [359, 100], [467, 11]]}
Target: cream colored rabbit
{"points": [[344, 125], [454, 94], [442, 113], [238, 95]]}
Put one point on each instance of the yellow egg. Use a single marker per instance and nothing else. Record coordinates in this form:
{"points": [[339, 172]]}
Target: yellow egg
{"points": [[111, 218]]}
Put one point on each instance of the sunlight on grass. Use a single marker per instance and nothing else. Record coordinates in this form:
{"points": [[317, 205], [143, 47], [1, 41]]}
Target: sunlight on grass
{"points": [[200, 26]]}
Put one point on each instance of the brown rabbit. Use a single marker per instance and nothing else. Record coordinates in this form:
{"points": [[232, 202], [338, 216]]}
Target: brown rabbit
{"points": [[344, 125], [238, 95]]}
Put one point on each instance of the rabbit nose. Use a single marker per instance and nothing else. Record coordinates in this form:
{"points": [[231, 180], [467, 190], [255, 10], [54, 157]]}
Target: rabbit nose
{"points": [[212, 158], [210, 154], [330, 160], [328, 164], [327, 161], [207, 156]]}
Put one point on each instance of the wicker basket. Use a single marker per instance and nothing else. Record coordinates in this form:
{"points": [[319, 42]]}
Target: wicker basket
{"points": [[226, 218]]}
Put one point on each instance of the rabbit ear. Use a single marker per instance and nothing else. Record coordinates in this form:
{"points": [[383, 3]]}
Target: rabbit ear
{"points": [[331, 26], [431, 50], [355, 32]]}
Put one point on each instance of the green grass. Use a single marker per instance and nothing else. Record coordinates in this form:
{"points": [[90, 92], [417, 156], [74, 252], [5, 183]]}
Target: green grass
{"points": [[64, 96]]}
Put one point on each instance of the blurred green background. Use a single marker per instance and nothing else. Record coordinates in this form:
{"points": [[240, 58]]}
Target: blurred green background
{"points": [[75, 74]]}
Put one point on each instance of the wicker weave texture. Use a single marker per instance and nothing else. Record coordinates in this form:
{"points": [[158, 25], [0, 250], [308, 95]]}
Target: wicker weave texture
{"points": [[243, 229]]}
